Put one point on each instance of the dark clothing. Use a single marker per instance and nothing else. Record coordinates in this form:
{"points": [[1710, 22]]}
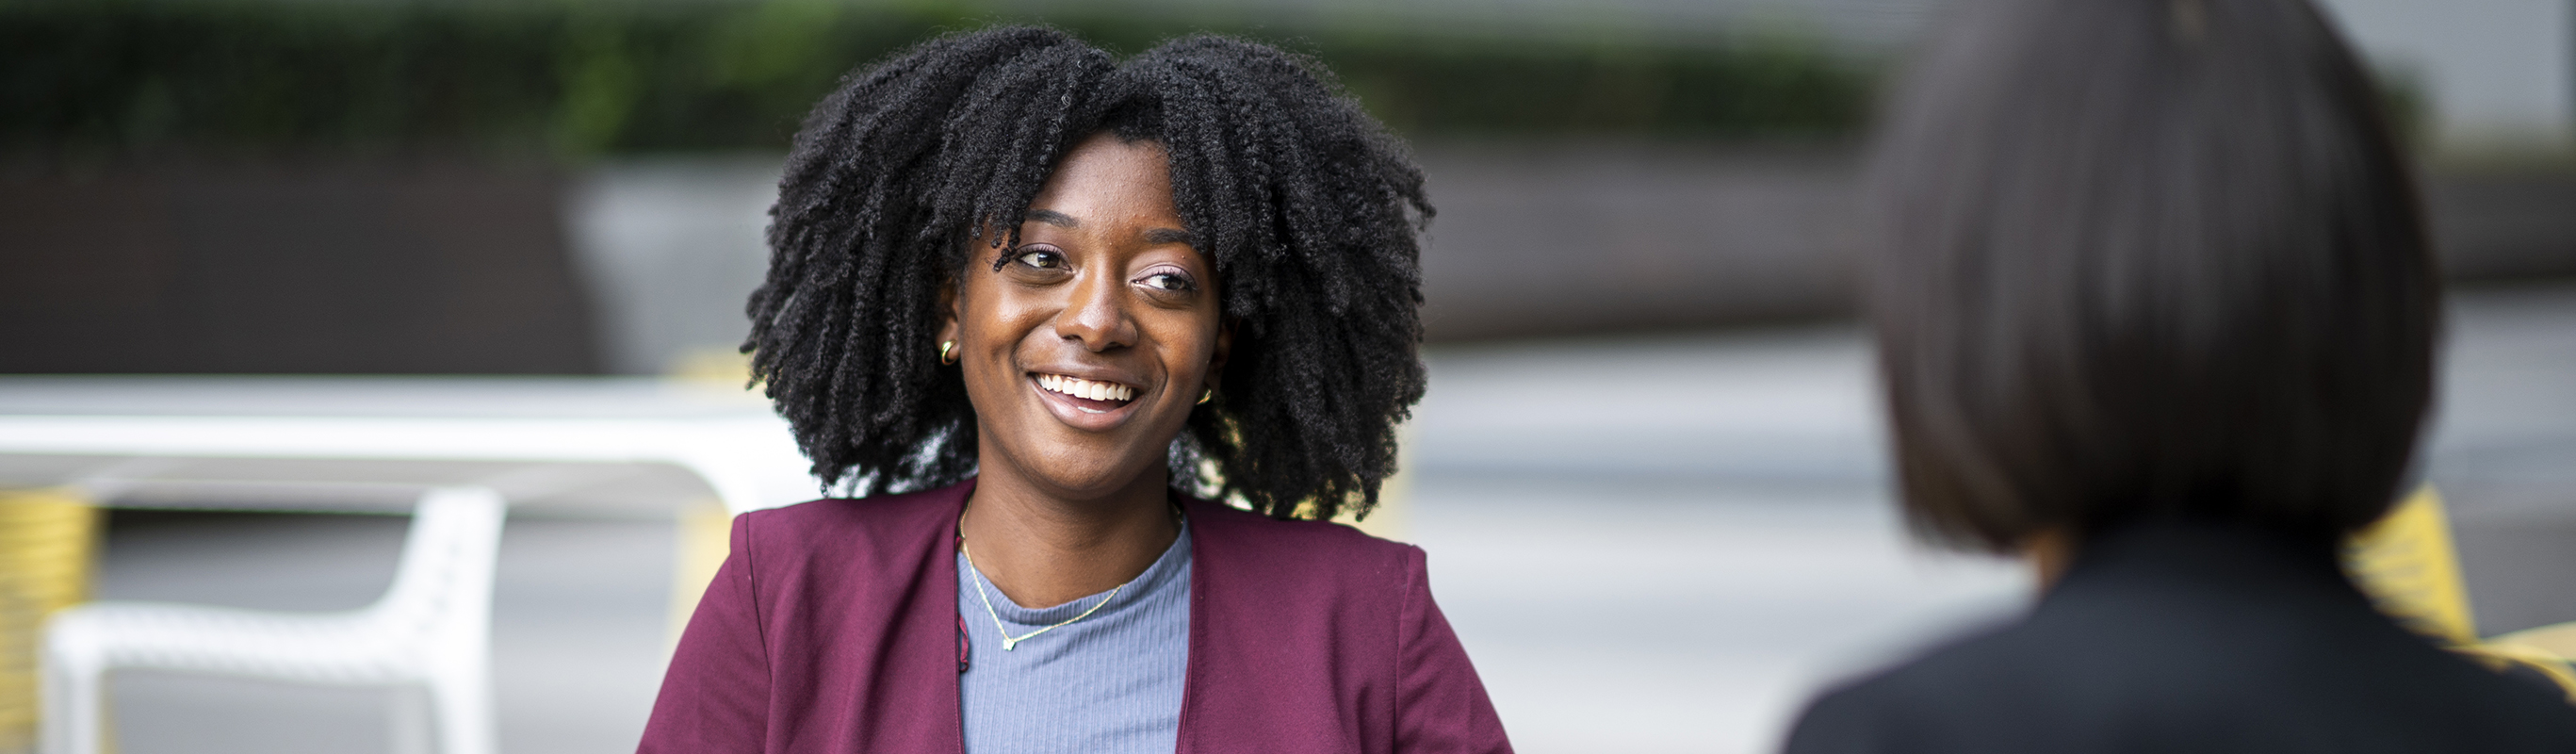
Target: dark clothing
{"points": [[2172, 637], [832, 628]]}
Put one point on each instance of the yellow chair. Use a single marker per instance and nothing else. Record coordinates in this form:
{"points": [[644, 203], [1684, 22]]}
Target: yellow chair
{"points": [[48, 539], [2407, 564]]}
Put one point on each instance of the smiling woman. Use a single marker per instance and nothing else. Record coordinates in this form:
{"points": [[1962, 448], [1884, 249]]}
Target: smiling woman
{"points": [[1086, 347], [1034, 310]]}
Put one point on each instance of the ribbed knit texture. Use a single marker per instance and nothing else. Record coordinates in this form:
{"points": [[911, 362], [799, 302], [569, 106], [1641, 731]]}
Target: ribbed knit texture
{"points": [[1109, 683]]}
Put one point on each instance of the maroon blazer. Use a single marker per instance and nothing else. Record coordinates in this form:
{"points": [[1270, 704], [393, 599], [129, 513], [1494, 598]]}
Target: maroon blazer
{"points": [[833, 627]]}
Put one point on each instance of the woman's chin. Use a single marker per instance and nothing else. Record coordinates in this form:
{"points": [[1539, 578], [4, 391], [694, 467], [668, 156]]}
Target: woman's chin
{"points": [[1090, 481]]}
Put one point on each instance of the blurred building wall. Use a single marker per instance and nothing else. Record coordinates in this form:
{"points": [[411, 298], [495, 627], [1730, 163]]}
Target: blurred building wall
{"points": [[348, 268], [1547, 238], [639, 265], [1533, 238], [2500, 75], [670, 249]]}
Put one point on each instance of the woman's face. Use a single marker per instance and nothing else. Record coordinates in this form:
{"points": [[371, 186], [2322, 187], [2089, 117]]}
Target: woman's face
{"points": [[1084, 351]]}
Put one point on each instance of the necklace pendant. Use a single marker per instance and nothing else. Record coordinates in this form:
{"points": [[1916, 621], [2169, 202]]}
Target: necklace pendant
{"points": [[1009, 643]]}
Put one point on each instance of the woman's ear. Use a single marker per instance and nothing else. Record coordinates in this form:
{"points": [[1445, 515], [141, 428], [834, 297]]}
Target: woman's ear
{"points": [[949, 316], [2050, 552]]}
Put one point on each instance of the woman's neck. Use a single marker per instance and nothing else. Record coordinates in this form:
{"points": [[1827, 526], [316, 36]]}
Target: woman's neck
{"points": [[1046, 549]]}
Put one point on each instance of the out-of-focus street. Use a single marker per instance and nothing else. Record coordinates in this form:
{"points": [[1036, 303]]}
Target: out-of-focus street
{"points": [[1652, 543], [1663, 543]]}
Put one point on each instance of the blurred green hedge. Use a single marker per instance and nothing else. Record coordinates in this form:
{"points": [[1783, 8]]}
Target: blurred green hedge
{"points": [[572, 78]]}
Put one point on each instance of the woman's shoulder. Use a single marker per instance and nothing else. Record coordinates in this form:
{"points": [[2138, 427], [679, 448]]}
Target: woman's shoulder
{"points": [[851, 525], [1292, 537], [1282, 552], [2175, 675]]}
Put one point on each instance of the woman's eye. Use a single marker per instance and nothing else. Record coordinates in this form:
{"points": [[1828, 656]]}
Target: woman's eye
{"points": [[1044, 259], [1169, 281]]}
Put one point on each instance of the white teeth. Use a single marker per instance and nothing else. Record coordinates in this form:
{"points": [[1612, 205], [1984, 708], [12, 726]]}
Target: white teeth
{"points": [[1082, 388]]}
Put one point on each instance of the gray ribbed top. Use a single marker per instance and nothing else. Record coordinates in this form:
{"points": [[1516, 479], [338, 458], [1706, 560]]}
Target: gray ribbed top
{"points": [[1109, 683]]}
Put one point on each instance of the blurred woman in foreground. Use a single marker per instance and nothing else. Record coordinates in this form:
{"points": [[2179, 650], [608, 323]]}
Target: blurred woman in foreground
{"points": [[1024, 299], [2155, 308]]}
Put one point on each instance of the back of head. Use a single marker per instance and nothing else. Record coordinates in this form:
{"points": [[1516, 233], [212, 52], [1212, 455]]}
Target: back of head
{"points": [[2147, 258]]}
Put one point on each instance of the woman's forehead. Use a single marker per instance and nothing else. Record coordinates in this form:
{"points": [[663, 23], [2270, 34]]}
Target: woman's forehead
{"points": [[1109, 185]]}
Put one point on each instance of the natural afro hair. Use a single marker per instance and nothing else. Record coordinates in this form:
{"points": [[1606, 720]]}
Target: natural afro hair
{"points": [[1309, 208]]}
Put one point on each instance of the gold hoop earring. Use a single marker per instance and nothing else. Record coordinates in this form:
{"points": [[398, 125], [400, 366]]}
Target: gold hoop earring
{"points": [[946, 355], [1204, 395]]}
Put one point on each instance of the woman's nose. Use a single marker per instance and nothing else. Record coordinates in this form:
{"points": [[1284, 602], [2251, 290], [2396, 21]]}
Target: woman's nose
{"points": [[1097, 314]]}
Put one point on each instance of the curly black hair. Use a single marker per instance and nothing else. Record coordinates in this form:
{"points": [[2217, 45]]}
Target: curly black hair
{"points": [[1310, 209]]}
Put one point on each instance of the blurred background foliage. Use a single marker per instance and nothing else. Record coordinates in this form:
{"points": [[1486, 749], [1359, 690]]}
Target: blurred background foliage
{"points": [[580, 78]]}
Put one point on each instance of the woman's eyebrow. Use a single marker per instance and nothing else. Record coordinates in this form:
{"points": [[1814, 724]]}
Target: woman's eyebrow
{"points": [[1171, 235], [1052, 217]]}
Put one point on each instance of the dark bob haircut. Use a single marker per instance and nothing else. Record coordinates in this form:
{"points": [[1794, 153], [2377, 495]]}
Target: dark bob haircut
{"points": [[2147, 258], [923, 164]]}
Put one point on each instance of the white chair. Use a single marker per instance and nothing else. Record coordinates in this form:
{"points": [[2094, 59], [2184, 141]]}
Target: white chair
{"points": [[431, 630]]}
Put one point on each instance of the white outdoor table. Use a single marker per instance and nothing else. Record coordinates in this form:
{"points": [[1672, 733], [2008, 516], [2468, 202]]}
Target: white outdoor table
{"points": [[619, 447], [602, 447]]}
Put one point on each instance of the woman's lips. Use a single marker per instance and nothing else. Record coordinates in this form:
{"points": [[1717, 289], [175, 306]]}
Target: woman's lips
{"points": [[1091, 396]]}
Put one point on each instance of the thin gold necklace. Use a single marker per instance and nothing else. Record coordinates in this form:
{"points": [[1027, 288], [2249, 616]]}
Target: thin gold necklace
{"points": [[1008, 642]]}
